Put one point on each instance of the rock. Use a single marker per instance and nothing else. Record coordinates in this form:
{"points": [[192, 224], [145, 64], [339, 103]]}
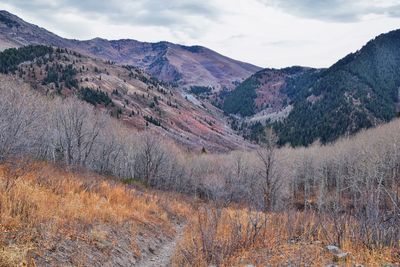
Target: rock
{"points": [[333, 249], [337, 252], [332, 265]]}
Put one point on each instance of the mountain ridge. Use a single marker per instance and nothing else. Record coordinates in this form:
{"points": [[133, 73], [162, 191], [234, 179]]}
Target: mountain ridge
{"points": [[173, 63]]}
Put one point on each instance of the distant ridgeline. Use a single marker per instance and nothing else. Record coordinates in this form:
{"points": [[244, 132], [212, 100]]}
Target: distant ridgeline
{"points": [[359, 91]]}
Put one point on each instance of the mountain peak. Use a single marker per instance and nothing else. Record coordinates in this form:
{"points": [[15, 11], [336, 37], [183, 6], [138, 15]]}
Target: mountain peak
{"points": [[6, 13], [173, 63], [8, 19]]}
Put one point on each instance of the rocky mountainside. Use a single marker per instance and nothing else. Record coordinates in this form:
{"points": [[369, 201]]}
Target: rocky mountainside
{"points": [[177, 64], [305, 105], [125, 92]]}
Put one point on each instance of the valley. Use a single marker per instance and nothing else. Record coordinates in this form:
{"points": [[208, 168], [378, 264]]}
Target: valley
{"points": [[130, 153]]}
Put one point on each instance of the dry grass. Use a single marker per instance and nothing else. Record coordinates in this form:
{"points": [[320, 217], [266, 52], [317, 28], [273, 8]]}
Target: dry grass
{"points": [[236, 237], [39, 203]]}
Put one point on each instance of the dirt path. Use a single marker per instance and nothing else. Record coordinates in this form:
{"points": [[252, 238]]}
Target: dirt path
{"points": [[163, 256]]}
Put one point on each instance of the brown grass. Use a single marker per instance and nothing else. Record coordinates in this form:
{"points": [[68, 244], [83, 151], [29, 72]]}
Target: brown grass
{"points": [[40, 203], [43, 202], [236, 237]]}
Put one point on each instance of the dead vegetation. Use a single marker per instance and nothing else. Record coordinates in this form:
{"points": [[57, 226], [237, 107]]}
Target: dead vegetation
{"points": [[52, 217], [236, 237]]}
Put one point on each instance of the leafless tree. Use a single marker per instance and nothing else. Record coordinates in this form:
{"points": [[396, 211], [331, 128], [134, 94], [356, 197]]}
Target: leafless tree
{"points": [[150, 158], [270, 183]]}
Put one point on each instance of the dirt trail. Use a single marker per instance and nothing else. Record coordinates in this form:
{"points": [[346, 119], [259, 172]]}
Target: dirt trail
{"points": [[163, 256]]}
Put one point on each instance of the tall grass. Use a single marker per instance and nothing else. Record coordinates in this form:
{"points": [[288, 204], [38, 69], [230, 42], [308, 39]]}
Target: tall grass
{"points": [[235, 237], [39, 202]]}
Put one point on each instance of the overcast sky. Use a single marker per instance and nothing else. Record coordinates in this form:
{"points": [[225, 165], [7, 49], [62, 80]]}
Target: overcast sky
{"points": [[268, 33]]}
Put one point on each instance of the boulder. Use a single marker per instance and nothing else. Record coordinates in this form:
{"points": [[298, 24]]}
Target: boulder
{"points": [[337, 252]]}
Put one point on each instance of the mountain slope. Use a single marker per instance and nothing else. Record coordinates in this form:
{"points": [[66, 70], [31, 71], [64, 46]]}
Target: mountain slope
{"points": [[359, 91], [172, 63], [266, 91], [125, 92]]}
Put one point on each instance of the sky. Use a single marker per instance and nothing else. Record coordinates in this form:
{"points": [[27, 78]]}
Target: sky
{"points": [[267, 33]]}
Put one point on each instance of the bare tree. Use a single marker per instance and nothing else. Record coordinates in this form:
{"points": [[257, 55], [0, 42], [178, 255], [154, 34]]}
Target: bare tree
{"points": [[270, 183], [150, 158], [20, 117], [77, 128]]}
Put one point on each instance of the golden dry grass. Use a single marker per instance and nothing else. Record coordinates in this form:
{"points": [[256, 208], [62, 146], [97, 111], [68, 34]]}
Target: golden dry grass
{"points": [[42, 202], [298, 239]]}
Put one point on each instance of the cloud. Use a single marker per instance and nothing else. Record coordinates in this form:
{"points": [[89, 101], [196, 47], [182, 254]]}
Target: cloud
{"points": [[337, 10], [173, 14], [288, 43]]}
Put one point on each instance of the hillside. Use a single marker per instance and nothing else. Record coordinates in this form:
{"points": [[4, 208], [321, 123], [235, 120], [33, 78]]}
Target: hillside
{"points": [[55, 214], [177, 64], [359, 91], [51, 217], [266, 91], [126, 92]]}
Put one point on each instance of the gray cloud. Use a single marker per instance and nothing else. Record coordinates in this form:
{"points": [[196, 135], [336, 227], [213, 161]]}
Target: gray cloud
{"points": [[173, 14], [337, 10]]}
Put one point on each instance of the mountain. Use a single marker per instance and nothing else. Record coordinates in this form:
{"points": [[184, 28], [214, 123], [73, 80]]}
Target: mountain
{"points": [[125, 92], [302, 104], [264, 91], [177, 64], [359, 91]]}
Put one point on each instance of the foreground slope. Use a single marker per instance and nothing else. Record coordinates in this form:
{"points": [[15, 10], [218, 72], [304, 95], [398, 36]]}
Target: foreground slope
{"points": [[359, 91], [172, 63], [50, 217]]}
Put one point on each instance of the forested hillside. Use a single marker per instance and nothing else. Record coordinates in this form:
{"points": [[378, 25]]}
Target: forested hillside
{"points": [[241, 100], [11, 58], [359, 91], [268, 88]]}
